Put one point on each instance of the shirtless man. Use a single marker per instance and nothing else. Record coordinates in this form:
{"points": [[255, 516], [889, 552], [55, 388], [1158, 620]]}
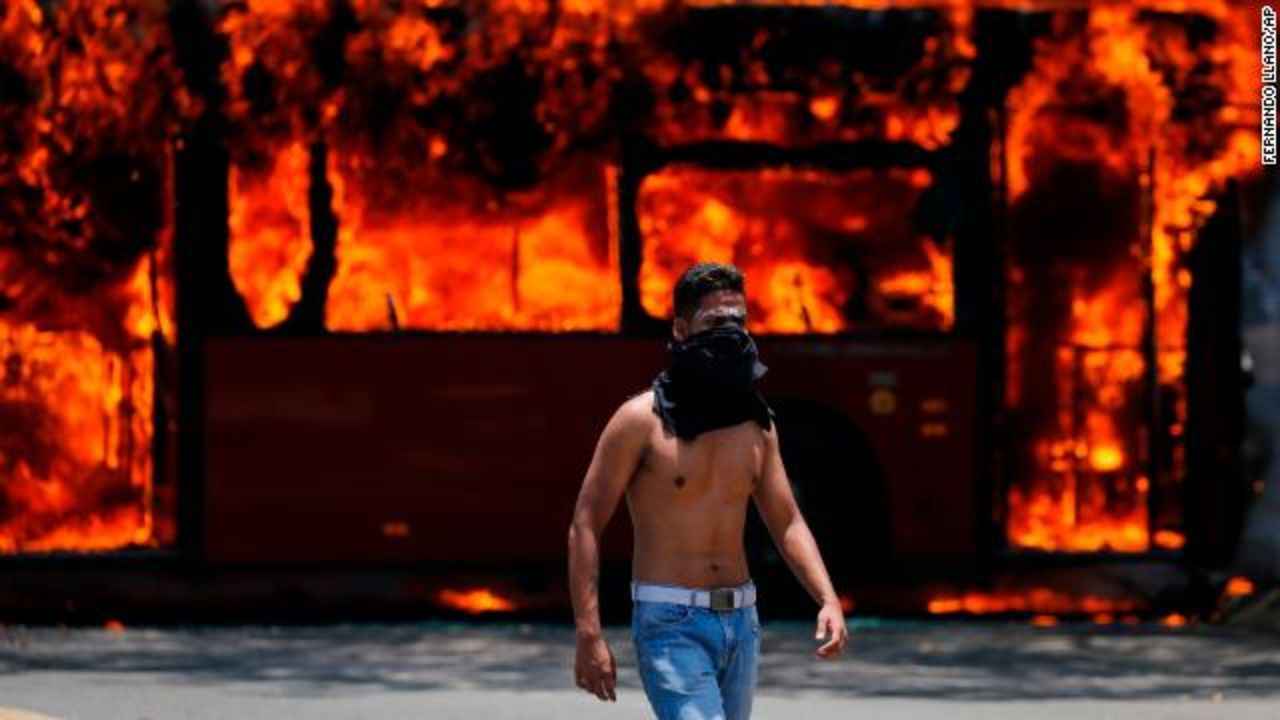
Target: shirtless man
{"points": [[688, 454]]}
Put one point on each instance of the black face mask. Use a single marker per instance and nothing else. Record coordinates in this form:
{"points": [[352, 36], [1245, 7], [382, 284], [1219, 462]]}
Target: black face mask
{"points": [[718, 361], [711, 383]]}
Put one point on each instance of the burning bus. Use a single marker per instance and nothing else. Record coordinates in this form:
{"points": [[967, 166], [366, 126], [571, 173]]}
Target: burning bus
{"points": [[354, 283]]}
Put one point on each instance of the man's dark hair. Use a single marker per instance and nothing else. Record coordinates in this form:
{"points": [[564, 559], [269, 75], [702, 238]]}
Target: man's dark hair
{"points": [[700, 279]]}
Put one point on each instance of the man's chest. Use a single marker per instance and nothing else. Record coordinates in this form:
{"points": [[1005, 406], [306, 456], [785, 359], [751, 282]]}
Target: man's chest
{"points": [[721, 462]]}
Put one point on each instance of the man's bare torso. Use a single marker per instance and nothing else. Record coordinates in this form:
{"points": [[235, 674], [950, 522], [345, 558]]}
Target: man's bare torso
{"points": [[688, 504], [688, 499]]}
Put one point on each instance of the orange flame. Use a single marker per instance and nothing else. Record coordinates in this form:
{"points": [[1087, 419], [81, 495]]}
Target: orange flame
{"points": [[1089, 490], [1238, 587], [269, 219], [440, 230], [1169, 540], [90, 268], [933, 287], [786, 229], [475, 600], [446, 267], [920, 106], [424, 241], [1044, 602], [269, 225]]}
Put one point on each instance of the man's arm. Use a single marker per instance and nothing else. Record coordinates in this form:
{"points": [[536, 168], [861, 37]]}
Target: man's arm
{"points": [[616, 456], [778, 509]]}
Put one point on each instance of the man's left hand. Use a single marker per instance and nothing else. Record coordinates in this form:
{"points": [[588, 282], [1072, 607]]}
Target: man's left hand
{"points": [[831, 625]]}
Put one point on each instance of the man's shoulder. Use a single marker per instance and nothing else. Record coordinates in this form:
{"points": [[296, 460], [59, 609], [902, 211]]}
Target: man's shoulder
{"points": [[631, 422], [636, 412]]}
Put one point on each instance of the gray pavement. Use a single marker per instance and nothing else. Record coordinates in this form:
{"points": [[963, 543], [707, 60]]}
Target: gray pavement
{"points": [[951, 670]]}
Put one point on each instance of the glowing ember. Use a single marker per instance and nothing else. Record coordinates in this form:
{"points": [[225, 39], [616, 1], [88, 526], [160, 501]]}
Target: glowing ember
{"points": [[475, 601], [1041, 601], [823, 252], [1238, 587], [1169, 540], [1174, 620]]}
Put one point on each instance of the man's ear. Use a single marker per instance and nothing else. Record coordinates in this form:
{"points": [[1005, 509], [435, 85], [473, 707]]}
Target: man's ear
{"points": [[680, 328]]}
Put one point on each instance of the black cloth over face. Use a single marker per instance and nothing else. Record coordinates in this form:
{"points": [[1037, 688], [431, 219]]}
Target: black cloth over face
{"points": [[711, 383]]}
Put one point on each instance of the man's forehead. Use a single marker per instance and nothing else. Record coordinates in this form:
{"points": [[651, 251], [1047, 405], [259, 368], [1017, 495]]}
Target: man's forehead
{"points": [[732, 306], [722, 299]]}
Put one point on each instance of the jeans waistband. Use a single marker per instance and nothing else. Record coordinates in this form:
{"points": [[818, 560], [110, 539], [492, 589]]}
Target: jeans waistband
{"points": [[717, 598]]}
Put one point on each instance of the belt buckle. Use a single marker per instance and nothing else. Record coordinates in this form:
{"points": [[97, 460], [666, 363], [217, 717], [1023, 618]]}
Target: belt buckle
{"points": [[722, 599]]}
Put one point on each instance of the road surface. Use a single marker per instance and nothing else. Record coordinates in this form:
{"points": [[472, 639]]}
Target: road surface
{"points": [[951, 670]]}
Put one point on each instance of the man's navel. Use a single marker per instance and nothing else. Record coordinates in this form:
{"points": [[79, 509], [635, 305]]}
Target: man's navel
{"points": [[679, 481]]}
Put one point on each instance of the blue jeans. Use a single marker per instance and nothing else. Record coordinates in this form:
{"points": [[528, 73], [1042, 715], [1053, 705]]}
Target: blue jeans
{"points": [[696, 663]]}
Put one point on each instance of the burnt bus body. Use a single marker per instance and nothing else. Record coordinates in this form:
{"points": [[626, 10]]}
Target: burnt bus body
{"points": [[440, 451], [992, 259], [435, 449]]}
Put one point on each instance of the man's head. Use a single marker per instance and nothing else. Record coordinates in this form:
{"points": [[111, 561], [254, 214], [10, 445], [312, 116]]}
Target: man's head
{"points": [[708, 295]]}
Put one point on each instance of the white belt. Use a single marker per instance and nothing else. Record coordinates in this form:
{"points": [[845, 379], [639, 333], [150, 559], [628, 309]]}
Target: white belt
{"points": [[730, 598]]}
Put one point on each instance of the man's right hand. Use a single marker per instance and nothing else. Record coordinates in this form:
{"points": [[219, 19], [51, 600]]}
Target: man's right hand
{"points": [[595, 667]]}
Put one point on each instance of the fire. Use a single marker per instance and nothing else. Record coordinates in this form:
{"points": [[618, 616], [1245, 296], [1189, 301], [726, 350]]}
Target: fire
{"points": [[269, 224], [85, 274], [440, 226], [447, 267], [932, 287], [702, 97], [1169, 540], [269, 220], [789, 231], [1043, 602], [1102, 95], [439, 229], [454, 166], [474, 600], [81, 479], [1238, 587]]}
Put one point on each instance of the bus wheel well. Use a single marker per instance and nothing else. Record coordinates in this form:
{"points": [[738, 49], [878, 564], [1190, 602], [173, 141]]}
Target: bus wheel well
{"points": [[839, 484]]}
